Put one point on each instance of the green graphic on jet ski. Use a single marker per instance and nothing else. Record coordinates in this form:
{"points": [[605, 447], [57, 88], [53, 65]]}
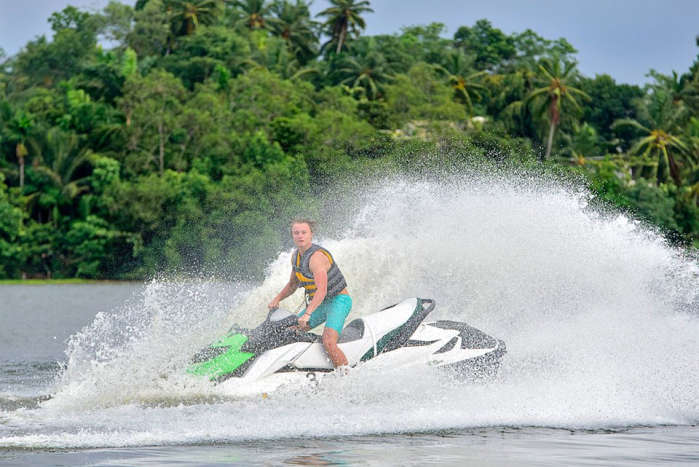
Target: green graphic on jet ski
{"points": [[221, 358]]}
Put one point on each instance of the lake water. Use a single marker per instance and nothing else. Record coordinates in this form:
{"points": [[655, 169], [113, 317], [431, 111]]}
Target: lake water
{"points": [[600, 317], [37, 321]]}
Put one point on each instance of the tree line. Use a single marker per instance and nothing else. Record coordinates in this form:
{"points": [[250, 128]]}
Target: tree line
{"points": [[182, 135]]}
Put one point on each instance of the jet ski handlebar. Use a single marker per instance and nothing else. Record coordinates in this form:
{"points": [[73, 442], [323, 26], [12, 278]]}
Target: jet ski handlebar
{"points": [[283, 318]]}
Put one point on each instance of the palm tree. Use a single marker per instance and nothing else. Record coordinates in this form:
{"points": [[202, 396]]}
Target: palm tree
{"points": [[365, 71], [581, 144], [554, 92], [255, 12], [186, 15], [19, 127], [275, 57], [343, 18], [462, 78], [292, 22], [508, 94], [656, 148], [661, 119], [59, 155], [657, 144], [679, 87]]}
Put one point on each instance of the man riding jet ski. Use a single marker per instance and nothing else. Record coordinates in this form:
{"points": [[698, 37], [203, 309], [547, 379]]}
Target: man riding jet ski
{"points": [[395, 336]]}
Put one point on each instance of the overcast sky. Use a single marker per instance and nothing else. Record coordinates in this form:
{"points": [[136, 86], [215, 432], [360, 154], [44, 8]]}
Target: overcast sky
{"points": [[624, 38]]}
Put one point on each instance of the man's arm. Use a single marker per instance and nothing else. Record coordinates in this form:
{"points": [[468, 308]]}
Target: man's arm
{"points": [[288, 290], [319, 266]]}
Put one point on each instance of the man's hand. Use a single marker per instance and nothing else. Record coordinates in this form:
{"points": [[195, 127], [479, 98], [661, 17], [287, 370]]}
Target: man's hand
{"points": [[274, 304], [303, 322]]}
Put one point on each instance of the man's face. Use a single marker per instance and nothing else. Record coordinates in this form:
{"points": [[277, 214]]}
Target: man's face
{"points": [[302, 235]]}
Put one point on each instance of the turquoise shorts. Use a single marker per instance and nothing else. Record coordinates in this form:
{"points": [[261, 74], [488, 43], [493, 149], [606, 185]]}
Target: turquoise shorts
{"points": [[333, 311]]}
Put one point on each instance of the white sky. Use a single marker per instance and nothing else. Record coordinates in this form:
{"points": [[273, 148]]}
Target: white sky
{"points": [[624, 38]]}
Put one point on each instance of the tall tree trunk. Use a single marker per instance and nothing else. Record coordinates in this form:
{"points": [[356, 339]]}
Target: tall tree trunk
{"points": [[549, 142], [555, 116], [674, 169], [20, 152], [21, 172], [161, 147], [662, 166], [341, 39]]}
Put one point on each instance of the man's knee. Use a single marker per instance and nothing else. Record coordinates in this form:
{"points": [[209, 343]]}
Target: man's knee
{"points": [[330, 339]]}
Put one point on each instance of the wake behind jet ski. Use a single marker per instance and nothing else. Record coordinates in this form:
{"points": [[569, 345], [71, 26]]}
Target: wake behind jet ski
{"points": [[395, 335]]}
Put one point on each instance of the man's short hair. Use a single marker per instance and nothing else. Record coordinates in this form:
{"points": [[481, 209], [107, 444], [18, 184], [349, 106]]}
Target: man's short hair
{"points": [[311, 223]]}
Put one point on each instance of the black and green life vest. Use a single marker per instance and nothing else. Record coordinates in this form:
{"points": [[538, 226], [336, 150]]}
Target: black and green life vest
{"points": [[301, 264]]}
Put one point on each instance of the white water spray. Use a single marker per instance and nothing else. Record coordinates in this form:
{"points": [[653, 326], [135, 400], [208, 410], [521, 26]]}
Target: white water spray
{"points": [[599, 315]]}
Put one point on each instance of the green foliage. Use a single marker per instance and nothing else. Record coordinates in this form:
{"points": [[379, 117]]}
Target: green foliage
{"points": [[129, 65], [328, 141], [70, 18], [463, 79], [199, 54], [292, 22], [344, 18], [582, 142], [421, 95], [45, 63], [89, 242], [654, 204], [275, 55], [554, 93], [12, 255], [262, 96], [102, 76], [489, 45], [660, 116], [187, 222], [186, 16], [253, 13], [189, 143], [151, 105], [367, 73], [424, 44], [671, 208], [115, 21], [150, 33], [531, 48], [104, 174], [258, 152], [40, 247], [252, 213], [609, 102]]}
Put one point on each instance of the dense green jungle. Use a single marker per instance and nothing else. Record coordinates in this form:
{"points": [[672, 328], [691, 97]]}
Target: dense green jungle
{"points": [[182, 136]]}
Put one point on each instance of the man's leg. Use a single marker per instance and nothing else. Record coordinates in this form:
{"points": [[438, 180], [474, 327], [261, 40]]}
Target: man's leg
{"points": [[330, 337], [317, 317], [339, 308]]}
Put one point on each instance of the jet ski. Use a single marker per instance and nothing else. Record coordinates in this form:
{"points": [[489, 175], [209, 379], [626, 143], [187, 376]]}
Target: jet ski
{"points": [[397, 335]]}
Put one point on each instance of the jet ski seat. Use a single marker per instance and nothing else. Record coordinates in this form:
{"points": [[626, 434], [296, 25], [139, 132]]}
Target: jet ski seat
{"points": [[352, 332]]}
